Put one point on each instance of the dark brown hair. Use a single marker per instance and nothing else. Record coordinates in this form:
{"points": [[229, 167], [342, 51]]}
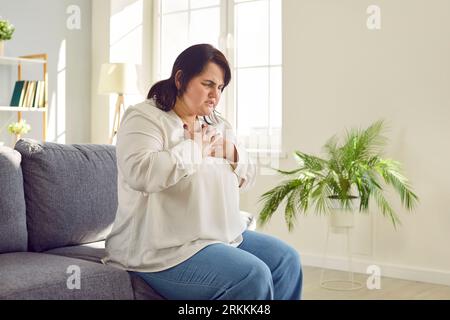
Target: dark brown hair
{"points": [[191, 62]]}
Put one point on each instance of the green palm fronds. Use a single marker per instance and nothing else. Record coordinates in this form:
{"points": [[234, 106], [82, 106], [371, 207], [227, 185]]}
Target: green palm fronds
{"points": [[356, 164]]}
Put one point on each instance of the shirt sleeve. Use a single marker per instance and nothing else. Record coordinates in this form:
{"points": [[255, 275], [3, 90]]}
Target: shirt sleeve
{"points": [[141, 157], [246, 168]]}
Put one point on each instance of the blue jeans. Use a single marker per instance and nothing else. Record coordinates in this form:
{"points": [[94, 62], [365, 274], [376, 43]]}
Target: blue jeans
{"points": [[261, 268]]}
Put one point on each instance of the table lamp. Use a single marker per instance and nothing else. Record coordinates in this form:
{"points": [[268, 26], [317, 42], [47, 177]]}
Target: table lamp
{"points": [[120, 79]]}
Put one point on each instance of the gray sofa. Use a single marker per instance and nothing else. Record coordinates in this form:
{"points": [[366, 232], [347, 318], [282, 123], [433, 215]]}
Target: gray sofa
{"points": [[57, 204]]}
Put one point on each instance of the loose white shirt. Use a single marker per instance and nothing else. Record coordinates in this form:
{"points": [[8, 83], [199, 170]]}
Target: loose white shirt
{"points": [[172, 202]]}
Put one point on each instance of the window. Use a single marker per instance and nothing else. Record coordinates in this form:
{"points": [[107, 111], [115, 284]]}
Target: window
{"points": [[249, 33]]}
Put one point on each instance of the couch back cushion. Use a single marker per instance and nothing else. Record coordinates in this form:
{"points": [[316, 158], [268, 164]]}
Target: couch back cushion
{"points": [[13, 227], [70, 192]]}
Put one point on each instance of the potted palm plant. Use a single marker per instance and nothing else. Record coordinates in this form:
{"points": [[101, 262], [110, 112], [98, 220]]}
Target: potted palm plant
{"points": [[351, 174]]}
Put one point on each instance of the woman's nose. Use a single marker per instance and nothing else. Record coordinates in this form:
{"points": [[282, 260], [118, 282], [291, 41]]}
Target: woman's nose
{"points": [[214, 93]]}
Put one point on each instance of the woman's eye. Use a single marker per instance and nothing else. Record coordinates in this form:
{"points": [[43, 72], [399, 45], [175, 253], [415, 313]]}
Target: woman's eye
{"points": [[211, 85]]}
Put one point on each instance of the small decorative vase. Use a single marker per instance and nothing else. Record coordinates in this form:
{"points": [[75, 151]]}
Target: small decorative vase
{"points": [[2, 48]]}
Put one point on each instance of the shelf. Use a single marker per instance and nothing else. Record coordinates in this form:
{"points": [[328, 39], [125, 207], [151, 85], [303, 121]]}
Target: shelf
{"points": [[16, 61], [22, 109], [21, 63]]}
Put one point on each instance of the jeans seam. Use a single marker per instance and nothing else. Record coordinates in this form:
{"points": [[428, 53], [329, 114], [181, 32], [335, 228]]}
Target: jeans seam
{"points": [[186, 283]]}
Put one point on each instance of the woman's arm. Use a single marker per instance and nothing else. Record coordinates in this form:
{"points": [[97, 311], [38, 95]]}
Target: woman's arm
{"points": [[141, 157], [239, 160], [233, 158]]}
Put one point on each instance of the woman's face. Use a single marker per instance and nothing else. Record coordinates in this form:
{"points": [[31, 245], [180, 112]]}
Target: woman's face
{"points": [[203, 92]]}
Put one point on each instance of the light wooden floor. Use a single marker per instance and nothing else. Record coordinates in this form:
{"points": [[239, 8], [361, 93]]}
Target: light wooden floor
{"points": [[392, 289]]}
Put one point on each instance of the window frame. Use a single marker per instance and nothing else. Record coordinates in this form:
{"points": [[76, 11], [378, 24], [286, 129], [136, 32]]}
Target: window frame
{"points": [[226, 43]]}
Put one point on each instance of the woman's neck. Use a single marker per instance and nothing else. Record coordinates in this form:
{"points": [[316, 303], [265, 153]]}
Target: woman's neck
{"points": [[182, 111]]}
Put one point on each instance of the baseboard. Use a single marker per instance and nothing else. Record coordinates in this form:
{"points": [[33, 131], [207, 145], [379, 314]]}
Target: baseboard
{"points": [[387, 270]]}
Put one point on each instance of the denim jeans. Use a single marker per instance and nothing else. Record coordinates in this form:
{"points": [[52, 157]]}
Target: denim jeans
{"points": [[262, 267]]}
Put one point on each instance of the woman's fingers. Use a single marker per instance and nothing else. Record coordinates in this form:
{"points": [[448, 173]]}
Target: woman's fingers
{"points": [[216, 136], [217, 146], [209, 138], [209, 133]]}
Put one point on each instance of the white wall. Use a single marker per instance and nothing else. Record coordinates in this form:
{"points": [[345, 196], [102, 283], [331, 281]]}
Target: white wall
{"points": [[100, 53], [41, 28], [121, 32], [338, 74]]}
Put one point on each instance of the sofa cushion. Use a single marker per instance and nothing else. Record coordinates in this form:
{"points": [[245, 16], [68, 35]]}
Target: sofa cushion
{"points": [[70, 192], [13, 228], [39, 276], [95, 252]]}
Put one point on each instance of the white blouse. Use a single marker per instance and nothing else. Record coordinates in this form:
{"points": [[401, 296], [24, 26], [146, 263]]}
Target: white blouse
{"points": [[172, 202]]}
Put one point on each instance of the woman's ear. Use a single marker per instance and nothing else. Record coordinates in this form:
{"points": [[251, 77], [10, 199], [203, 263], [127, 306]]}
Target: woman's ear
{"points": [[178, 77]]}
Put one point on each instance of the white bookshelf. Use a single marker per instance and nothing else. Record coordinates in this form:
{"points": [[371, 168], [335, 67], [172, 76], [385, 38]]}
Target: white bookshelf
{"points": [[20, 62], [16, 61], [22, 109]]}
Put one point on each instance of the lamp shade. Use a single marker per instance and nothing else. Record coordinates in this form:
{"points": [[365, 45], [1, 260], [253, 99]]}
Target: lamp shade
{"points": [[118, 78]]}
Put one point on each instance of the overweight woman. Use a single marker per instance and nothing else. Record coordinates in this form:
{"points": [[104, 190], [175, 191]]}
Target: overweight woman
{"points": [[180, 171]]}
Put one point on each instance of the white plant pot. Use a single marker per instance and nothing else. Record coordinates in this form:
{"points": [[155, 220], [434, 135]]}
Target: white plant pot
{"points": [[2, 48], [341, 219]]}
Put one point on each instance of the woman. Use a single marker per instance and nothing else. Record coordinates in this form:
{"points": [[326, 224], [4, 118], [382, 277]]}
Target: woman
{"points": [[178, 223]]}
